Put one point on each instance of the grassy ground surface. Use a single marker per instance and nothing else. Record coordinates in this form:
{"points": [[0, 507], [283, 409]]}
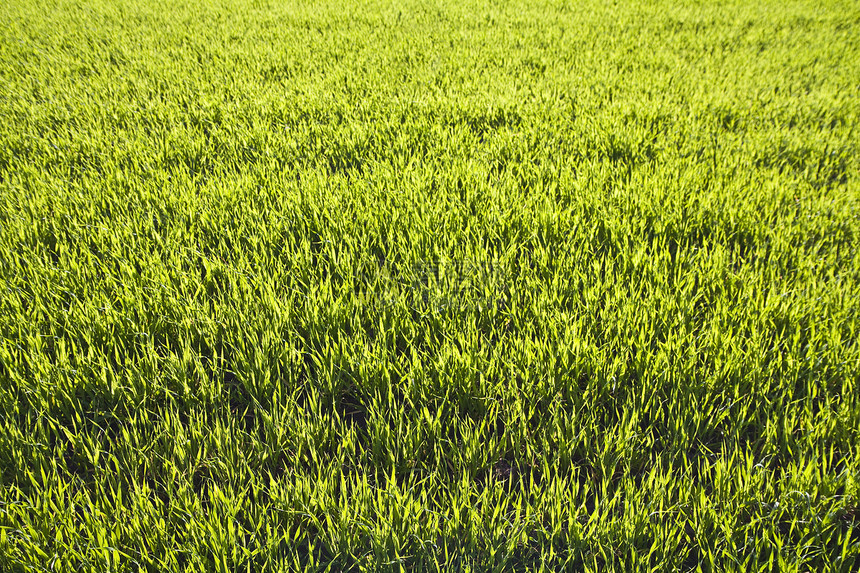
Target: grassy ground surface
{"points": [[430, 285]]}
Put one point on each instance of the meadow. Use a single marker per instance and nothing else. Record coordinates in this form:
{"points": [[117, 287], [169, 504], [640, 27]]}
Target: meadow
{"points": [[429, 285]]}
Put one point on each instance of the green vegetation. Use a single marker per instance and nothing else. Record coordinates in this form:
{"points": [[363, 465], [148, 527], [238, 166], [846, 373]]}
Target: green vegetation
{"points": [[429, 286]]}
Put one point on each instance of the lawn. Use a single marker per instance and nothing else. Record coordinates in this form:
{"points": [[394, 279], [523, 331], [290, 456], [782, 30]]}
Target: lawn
{"points": [[429, 285]]}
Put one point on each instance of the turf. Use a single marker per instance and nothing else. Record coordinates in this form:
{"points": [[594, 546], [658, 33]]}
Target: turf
{"points": [[429, 286]]}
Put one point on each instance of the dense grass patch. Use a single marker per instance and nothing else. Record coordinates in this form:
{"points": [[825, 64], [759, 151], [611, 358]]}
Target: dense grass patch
{"points": [[440, 286]]}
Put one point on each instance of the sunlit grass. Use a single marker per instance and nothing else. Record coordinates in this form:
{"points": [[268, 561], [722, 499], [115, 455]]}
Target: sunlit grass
{"points": [[429, 286]]}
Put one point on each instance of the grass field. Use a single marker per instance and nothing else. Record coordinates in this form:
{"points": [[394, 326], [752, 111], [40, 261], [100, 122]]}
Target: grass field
{"points": [[429, 286]]}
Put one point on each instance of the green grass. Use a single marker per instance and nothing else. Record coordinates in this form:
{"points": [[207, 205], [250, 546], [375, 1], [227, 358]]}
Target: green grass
{"points": [[429, 286]]}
